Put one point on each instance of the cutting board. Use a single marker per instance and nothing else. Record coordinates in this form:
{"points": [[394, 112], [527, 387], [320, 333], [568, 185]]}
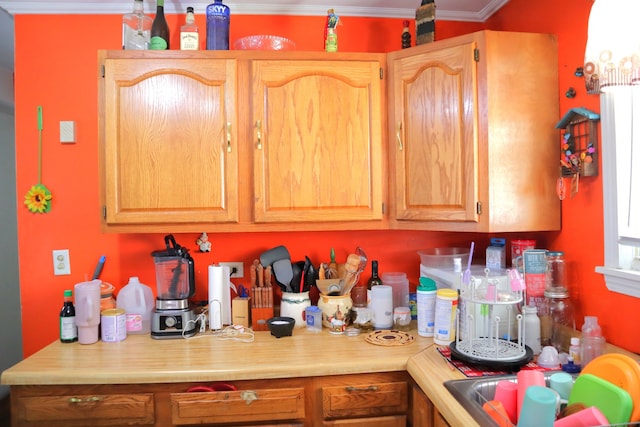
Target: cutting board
{"points": [[614, 402]]}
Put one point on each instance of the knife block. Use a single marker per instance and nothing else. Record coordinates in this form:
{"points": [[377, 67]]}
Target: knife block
{"points": [[259, 318]]}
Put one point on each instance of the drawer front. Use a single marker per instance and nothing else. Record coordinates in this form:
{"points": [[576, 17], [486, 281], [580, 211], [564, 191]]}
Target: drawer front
{"points": [[82, 410], [237, 406], [388, 421], [365, 399]]}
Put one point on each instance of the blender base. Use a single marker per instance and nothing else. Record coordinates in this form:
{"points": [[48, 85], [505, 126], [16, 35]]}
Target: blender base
{"points": [[167, 324]]}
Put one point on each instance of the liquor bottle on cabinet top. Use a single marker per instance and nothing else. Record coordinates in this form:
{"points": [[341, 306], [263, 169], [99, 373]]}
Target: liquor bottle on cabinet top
{"points": [[136, 28], [218, 21], [159, 29], [189, 38]]}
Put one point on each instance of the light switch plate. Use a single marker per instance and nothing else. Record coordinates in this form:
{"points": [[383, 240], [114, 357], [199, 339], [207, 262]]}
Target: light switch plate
{"points": [[67, 132]]}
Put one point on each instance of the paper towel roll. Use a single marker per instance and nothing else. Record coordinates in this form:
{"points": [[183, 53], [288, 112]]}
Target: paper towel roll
{"points": [[219, 296]]}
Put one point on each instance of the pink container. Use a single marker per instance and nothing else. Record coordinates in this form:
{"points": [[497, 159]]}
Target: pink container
{"points": [[507, 393], [590, 416]]}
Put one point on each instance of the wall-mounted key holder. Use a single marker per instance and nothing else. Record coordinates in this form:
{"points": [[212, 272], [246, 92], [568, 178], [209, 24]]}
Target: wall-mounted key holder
{"points": [[579, 141]]}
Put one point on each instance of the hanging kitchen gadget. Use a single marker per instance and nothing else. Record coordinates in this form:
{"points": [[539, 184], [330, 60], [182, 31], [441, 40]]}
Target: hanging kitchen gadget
{"points": [[490, 330], [172, 316], [38, 198]]}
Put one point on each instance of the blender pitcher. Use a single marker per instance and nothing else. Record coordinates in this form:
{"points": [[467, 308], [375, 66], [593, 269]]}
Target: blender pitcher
{"points": [[174, 271]]}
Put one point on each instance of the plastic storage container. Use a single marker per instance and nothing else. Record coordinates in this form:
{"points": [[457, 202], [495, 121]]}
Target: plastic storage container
{"points": [[400, 285], [137, 301], [426, 295]]}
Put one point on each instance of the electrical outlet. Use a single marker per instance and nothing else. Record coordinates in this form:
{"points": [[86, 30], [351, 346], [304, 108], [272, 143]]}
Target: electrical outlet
{"points": [[239, 266], [61, 264]]}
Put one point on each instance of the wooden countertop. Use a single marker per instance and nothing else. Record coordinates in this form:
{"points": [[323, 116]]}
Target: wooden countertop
{"points": [[141, 359]]}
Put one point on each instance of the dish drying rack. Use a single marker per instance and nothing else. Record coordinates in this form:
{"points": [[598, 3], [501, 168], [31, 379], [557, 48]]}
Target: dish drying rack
{"points": [[489, 326]]}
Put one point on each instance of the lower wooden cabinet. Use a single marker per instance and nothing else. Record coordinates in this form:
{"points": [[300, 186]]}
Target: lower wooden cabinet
{"points": [[423, 411], [238, 406], [358, 400]]}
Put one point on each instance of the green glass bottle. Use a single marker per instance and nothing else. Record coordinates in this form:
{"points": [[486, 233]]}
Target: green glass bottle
{"points": [[159, 29]]}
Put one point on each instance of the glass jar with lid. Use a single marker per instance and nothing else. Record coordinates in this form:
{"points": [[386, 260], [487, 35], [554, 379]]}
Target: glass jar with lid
{"points": [[559, 308], [556, 276]]}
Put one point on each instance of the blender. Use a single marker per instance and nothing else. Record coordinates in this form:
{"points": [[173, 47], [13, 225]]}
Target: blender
{"points": [[172, 316]]}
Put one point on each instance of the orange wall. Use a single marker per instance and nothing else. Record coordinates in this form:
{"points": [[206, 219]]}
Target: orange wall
{"points": [[582, 216], [61, 75]]}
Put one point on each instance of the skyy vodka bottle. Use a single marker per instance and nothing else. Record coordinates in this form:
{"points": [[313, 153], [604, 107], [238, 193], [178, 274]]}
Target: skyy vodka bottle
{"points": [[218, 20]]}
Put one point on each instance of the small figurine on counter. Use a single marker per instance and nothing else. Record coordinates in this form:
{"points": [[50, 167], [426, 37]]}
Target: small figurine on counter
{"points": [[204, 243]]}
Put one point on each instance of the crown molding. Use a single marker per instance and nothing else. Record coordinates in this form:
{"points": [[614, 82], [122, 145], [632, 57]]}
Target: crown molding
{"points": [[370, 8]]}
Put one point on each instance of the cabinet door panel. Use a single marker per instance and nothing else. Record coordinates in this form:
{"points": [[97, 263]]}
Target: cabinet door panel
{"points": [[170, 151], [318, 157], [435, 149]]}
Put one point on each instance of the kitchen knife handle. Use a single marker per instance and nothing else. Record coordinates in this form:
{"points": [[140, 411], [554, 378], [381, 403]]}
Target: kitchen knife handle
{"points": [[399, 135], [228, 137], [259, 133]]}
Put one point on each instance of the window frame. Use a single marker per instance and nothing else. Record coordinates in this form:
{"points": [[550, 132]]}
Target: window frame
{"points": [[615, 127]]}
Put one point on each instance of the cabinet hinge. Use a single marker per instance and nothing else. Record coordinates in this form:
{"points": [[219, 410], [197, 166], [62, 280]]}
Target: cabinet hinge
{"points": [[479, 208], [383, 209], [102, 70], [476, 55], [381, 73], [104, 212]]}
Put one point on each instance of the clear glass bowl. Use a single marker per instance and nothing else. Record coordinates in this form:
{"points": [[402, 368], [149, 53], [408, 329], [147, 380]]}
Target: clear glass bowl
{"points": [[264, 42]]}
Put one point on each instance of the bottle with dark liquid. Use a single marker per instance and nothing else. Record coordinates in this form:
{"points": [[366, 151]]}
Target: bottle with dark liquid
{"points": [[159, 29], [374, 280], [68, 327], [406, 35]]}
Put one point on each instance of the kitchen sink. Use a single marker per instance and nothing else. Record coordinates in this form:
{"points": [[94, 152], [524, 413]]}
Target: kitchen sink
{"points": [[472, 393]]}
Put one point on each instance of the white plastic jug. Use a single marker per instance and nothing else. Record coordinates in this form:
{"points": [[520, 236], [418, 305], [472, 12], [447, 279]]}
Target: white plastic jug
{"points": [[137, 301]]}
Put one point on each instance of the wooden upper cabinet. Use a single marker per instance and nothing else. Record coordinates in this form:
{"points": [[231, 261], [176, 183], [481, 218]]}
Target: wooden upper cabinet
{"points": [[169, 142], [473, 144], [434, 143], [318, 140]]}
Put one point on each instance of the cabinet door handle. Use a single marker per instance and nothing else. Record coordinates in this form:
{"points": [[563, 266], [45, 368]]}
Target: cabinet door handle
{"points": [[79, 400], [351, 389], [228, 137], [399, 135], [259, 133]]}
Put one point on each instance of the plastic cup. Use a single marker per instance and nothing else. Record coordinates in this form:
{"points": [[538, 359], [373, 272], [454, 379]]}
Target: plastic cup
{"points": [[590, 416], [538, 407], [561, 382], [496, 411], [507, 394], [526, 379]]}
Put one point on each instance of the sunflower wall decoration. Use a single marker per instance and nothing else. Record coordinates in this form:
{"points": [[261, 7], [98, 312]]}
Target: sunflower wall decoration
{"points": [[38, 198]]}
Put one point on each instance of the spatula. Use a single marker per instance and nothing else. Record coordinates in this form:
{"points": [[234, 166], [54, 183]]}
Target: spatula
{"points": [[284, 273]]}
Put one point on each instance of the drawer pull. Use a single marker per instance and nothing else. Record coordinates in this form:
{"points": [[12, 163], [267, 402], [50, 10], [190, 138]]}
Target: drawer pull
{"points": [[361, 389], [91, 399], [249, 396]]}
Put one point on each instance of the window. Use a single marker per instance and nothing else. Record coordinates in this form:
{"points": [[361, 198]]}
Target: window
{"points": [[620, 119]]}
